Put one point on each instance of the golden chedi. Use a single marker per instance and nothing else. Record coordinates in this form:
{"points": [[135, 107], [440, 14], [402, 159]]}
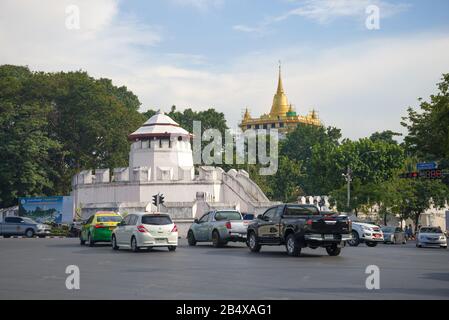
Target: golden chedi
{"points": [[282, 116]]}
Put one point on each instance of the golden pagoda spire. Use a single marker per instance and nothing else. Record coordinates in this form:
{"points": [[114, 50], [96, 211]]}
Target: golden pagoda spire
{"points": [[280, 103], [247, 115], [280, 89]]}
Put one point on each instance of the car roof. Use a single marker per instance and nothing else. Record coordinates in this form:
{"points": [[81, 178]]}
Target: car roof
{"points": [[106, 213], [150, 214]]}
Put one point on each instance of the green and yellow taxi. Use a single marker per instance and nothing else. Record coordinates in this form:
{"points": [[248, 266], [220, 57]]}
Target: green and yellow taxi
{"points": [[99, 227]]}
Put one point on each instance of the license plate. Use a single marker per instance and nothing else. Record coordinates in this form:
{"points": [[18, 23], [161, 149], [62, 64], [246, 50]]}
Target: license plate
{"points": [[161, 240], [329, 237]]}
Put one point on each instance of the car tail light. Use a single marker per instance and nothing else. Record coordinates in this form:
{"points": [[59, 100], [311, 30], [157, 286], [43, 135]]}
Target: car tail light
{"points": [[309, 222], [175, 228], [228, 225], [99, 226], [141, 229]]}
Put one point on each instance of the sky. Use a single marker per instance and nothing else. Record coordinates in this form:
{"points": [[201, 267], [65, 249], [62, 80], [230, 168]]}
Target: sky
{"points": [[225, 53]]}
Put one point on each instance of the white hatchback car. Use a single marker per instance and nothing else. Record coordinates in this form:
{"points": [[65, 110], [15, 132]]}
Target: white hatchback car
{"points": [[145, 230]]}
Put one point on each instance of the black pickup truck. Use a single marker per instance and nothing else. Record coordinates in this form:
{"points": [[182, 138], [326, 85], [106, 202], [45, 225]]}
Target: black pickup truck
{"points": [[299, 226]]}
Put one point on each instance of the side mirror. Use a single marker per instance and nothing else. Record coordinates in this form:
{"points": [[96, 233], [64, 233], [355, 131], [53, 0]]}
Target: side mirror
{"points": [[196, 221], [260, 217], [122, 223]]}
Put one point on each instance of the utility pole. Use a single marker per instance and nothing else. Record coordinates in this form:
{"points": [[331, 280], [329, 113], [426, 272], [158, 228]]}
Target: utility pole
{"points": [[348, 178]]}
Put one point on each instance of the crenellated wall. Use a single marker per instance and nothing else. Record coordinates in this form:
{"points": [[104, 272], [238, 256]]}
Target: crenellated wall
{"points": [[213, 188]]}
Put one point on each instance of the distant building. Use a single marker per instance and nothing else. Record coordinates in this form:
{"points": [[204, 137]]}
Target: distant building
{"points": [[282, 116]]}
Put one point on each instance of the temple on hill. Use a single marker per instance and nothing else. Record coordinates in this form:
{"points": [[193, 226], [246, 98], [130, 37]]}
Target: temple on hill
{"points": [[282, 116]]}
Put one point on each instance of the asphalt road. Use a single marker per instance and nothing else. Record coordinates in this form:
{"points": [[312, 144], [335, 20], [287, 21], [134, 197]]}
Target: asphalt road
{"points": [[35, 269]]}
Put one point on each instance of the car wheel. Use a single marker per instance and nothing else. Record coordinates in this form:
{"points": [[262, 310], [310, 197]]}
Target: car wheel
{"points": [[172, 248], [253, 243], [216, 241], [444, 247], [29, 233], [90, 240], [371, 244], [134, 246], [293, 249], [191, 238], [333, 251], [394, 240], [114, 243], [82, 242], [41, 237], [355, 241], [6, 237]]}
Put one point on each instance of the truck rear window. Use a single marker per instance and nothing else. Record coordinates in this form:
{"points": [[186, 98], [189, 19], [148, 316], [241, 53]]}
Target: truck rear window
{"points": [[301, 211], [227, 215], [156, 220]]}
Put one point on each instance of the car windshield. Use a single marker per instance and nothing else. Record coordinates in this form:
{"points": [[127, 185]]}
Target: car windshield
{"points": [[109, 218], [227, 215], [388, 229], [430, 230], [28, 220], [301, 211], [156, 220]]}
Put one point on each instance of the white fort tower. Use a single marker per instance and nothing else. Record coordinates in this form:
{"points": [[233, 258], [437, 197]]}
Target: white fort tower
{"points": [[163, 147], [161, 161]]}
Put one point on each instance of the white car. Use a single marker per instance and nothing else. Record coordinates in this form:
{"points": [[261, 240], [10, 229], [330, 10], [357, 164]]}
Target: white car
{"points": [[145, 230], [431, 237], [367, 233]]}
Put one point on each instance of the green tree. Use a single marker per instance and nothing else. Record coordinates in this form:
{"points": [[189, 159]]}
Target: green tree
{"points": [[284, 184], [91, 120], [301, 145], [371, 163], [428, 129], [55, 124], [210, 118], [423, 195], [386, 136], [26, 145]]}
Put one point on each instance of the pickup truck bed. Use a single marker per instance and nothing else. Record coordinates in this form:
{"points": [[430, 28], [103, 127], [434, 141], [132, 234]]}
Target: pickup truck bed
{"points": [[299, 226], [218, 227]]}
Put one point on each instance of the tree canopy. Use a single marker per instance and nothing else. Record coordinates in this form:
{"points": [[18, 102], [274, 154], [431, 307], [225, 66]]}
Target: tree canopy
{"points": [[53, 125]]}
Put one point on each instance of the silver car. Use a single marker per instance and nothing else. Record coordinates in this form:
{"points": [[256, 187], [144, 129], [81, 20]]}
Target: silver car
{"points": [[394, 235], [23, 226], [431, 237], [218, 227]]}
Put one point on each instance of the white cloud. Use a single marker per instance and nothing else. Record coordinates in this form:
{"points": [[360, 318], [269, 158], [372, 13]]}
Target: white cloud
{"points": [[324, 11], [245, 28], [34, 33], [361, 88], [202, 5]]}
